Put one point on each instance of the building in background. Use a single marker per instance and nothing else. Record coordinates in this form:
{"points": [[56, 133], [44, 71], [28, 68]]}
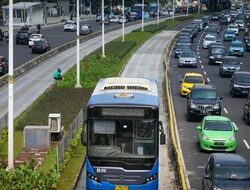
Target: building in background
{"points": [[28, 13]]}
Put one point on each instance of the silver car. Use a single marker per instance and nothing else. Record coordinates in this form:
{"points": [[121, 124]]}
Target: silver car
{"points": [[85, 29], [188, 59], [229, 65]]}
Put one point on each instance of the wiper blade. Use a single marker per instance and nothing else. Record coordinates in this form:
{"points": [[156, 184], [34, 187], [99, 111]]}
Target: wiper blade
{"points": [[108, 155]]}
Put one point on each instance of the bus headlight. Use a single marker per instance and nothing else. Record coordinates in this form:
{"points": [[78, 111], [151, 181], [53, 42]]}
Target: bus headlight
{"points": [[93, 177], [151, 178]]}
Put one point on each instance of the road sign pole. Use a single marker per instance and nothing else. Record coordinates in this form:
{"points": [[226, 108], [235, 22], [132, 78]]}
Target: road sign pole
{"points": [[11, 91]]}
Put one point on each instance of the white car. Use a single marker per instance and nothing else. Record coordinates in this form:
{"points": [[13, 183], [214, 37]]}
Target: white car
{"points": [[123, 19], [234, 27], [229, 19], [70, 26], [208, 40], [33, 38], [114, 19], [240, 24]]}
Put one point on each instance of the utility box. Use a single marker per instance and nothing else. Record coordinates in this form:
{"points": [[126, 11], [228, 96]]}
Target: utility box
{"points": [[36, 137], [56, 130]]}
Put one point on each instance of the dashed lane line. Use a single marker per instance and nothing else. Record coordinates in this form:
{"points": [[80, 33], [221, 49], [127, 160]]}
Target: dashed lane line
{"points": [[225, 110], [205, 72], [208, 79], [202, 66], [247, 145], [198, 53]]}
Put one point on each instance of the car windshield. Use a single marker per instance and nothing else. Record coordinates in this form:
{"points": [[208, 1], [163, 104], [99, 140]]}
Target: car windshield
{"points": [[193, 79], [183, 48], [212, 125], [69, 23], [84, 27], [39, 42], [34, 36], [187, 54], [232, 172], [210, 38], [236, 45], [218, 50], [243, 78], [228, 61], [183, 40], [233, 27], [209, 94], [229, 32]]}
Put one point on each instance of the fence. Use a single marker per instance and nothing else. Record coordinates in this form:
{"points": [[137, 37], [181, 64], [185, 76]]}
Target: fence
{"points": [[63, 145], [3, 123]]}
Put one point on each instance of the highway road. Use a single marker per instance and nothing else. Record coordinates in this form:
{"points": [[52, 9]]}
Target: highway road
{"points": [[231, 107], [54, 35]]}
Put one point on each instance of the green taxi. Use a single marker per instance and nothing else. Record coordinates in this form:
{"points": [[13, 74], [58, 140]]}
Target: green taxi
{"points": [[216, 133]]}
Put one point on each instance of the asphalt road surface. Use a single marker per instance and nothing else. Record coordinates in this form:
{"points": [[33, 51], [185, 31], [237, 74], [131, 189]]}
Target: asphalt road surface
{"points": [[54, 35], [231, 107]]}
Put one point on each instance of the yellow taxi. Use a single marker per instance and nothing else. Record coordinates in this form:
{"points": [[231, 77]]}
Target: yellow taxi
{"points": [[188, 81]]}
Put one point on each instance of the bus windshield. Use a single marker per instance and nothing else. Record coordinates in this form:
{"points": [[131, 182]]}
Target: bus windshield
{"points": [[122, 138]]}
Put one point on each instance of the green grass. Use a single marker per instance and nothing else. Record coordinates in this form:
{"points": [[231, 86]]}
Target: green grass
{"points": [[69, 173], [49, 160]]}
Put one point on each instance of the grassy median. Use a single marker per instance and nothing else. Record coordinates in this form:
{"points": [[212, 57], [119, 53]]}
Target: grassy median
{"points": [[63, 98]]}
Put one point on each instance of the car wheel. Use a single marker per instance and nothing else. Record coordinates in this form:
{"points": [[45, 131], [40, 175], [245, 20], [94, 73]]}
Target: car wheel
{"points": [[232, 93], [247, 118], [221, 74], [32, 51]]}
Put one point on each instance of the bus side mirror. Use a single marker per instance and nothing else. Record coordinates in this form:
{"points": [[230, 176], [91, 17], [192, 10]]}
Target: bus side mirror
{"points": [[162, 135]]}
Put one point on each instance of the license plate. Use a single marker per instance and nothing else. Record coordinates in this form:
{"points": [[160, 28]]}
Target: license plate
{"points": [[121, 187], [219, 143]]}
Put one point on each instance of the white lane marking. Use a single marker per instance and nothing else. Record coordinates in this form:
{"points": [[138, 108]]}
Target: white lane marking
{"points": [[199, 57], [202, 66], [225, 110], [198, 53], [208, 79], [247, 145], [197, 49], [235, 125], [200, 167], [200, 62], [205, 72]]}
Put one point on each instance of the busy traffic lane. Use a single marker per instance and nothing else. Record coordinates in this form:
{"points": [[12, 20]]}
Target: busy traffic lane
{"points": [[54, 35], [231, 107]]}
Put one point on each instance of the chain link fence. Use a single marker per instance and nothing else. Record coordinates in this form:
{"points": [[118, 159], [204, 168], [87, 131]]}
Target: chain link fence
{"points": [[63, 145], [3, 124]]}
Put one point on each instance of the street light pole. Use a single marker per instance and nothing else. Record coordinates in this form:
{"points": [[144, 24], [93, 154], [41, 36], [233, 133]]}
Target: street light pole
{"points": [[158, 12], [11, 91], [187, 7], [123, 20], [142, 16], [90, 8], [78, 84], [173, 10], [103, 42]]}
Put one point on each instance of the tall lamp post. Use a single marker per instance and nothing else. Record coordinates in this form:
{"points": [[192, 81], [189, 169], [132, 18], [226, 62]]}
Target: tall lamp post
{"points": [[78, 84], [142, 16], [187, 6], [173, 10], [158, 12], [123, 20], [103, 41], [11, 91]]}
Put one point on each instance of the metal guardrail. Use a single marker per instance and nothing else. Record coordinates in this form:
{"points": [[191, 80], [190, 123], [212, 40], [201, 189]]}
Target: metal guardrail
{"points": [[184, 183]]}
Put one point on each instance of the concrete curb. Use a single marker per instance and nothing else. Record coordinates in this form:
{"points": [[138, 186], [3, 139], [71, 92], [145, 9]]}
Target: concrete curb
{"points": [[79, 173]]}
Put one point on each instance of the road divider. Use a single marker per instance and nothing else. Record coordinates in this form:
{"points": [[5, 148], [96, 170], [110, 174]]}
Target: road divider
{"points": [[172, 130]]}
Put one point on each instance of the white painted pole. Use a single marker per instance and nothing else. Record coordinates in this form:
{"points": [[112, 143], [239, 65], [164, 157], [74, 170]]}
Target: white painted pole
{"points": [[187, 7], [142, 16], [173, 9], [199, 6], [123, 16], [90, 7], [103, 42], [11, 94], [78, 84], [158, 12]]}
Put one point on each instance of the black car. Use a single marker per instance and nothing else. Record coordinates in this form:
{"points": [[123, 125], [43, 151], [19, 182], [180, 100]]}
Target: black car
{"points": [[203, 100], [246, 110], [223, 20], [3, 65], [248, 46], [240, 83], [178, 50], [132, 16], [229, 64], [226, 171], [22, 37], [190, 31], [186, 34], [216, 52], [215, 17], [205, 20], [40, 46]]}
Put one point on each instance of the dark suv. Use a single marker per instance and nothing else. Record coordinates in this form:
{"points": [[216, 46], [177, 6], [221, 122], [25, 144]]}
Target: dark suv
{"points": [[203, 100], [226, 171], [216, 52], [246, 110], [22, 37], [240, 83], [3, 65]]}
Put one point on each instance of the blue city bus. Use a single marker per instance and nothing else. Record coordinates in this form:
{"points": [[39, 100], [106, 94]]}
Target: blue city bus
{"points": [[122, 135]]}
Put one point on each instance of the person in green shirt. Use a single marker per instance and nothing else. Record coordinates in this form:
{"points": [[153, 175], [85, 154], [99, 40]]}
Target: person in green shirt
{"points": [[57, 74]]}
